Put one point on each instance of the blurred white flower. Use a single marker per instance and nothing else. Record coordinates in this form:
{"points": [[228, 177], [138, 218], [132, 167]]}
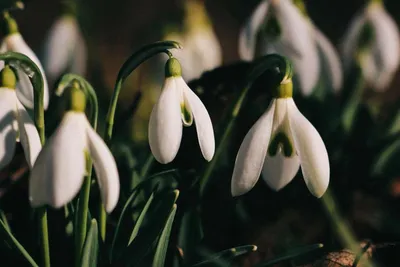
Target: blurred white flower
{"points": [[16, 126], [65, 49], [278, 26], [279, 143], [60, 168], [201, 49], [178, 105], [14, 42], [373, 41]]}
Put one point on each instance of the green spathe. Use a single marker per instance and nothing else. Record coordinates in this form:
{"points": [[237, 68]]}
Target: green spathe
{"points": [[8, 78], [173, 68], [76, 99], [284, 90]]}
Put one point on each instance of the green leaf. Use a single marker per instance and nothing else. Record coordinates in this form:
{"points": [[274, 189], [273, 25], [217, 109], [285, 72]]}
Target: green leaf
{"points": [[17, 245], [387, 157], [140, 218], [147, 236], [291, 254], [222, 258], [128, 204], [91, 247], [190, 233], [162, 247]]}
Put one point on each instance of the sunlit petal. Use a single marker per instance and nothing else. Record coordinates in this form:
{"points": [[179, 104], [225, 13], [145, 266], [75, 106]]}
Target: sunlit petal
{"points": [[165, 126], [251, 155], [279, 170], [330, 58], [386, 49], [58, 172], [8, 133], [311, 150], [350, 39], [16, 43], [204, 127], [248, 34], [28, 135], [298, 44], [59, 46], [106, 169]]}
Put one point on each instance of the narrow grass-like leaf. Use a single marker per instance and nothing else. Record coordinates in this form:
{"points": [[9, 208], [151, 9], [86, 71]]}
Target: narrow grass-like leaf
{"points": [[162, 247], [387, 157], [147, 236], [17, 245], [190, 234], [291, 254], [140, 219], [91, 247], [223, 258], [128, 204]]}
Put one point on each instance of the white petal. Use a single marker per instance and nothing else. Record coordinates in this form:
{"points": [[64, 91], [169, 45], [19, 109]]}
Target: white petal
{"points": [[248, 34], [59, 46], [16, 43], [8, 133], [29, 136], [204, 127], [297, 44], [251, 155], [350, 40], [202, 52], [386, 48], [58, 172], [279, 170], [106, 169], [311, 150], [332, 60], [165, 125]]}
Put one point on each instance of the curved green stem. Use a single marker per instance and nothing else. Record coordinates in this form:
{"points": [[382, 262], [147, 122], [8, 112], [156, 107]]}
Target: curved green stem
{"points": [[127, 68], [87, 88], [280, 69]]}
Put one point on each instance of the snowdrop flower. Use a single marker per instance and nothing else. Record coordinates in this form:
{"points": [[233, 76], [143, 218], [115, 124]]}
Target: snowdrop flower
{"points": [[60, 168], [279, 143], [178, 105], [17, 126], [277, 26], [65, 49], [14, 42], [373, 40]]}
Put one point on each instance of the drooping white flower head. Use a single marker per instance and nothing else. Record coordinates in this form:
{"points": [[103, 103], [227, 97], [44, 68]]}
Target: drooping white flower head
{"points": [[280, 142], [16, 125], [373, 41], [65, 49], [14, 42], [60, 168], [277, 26], [178, 106]]}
